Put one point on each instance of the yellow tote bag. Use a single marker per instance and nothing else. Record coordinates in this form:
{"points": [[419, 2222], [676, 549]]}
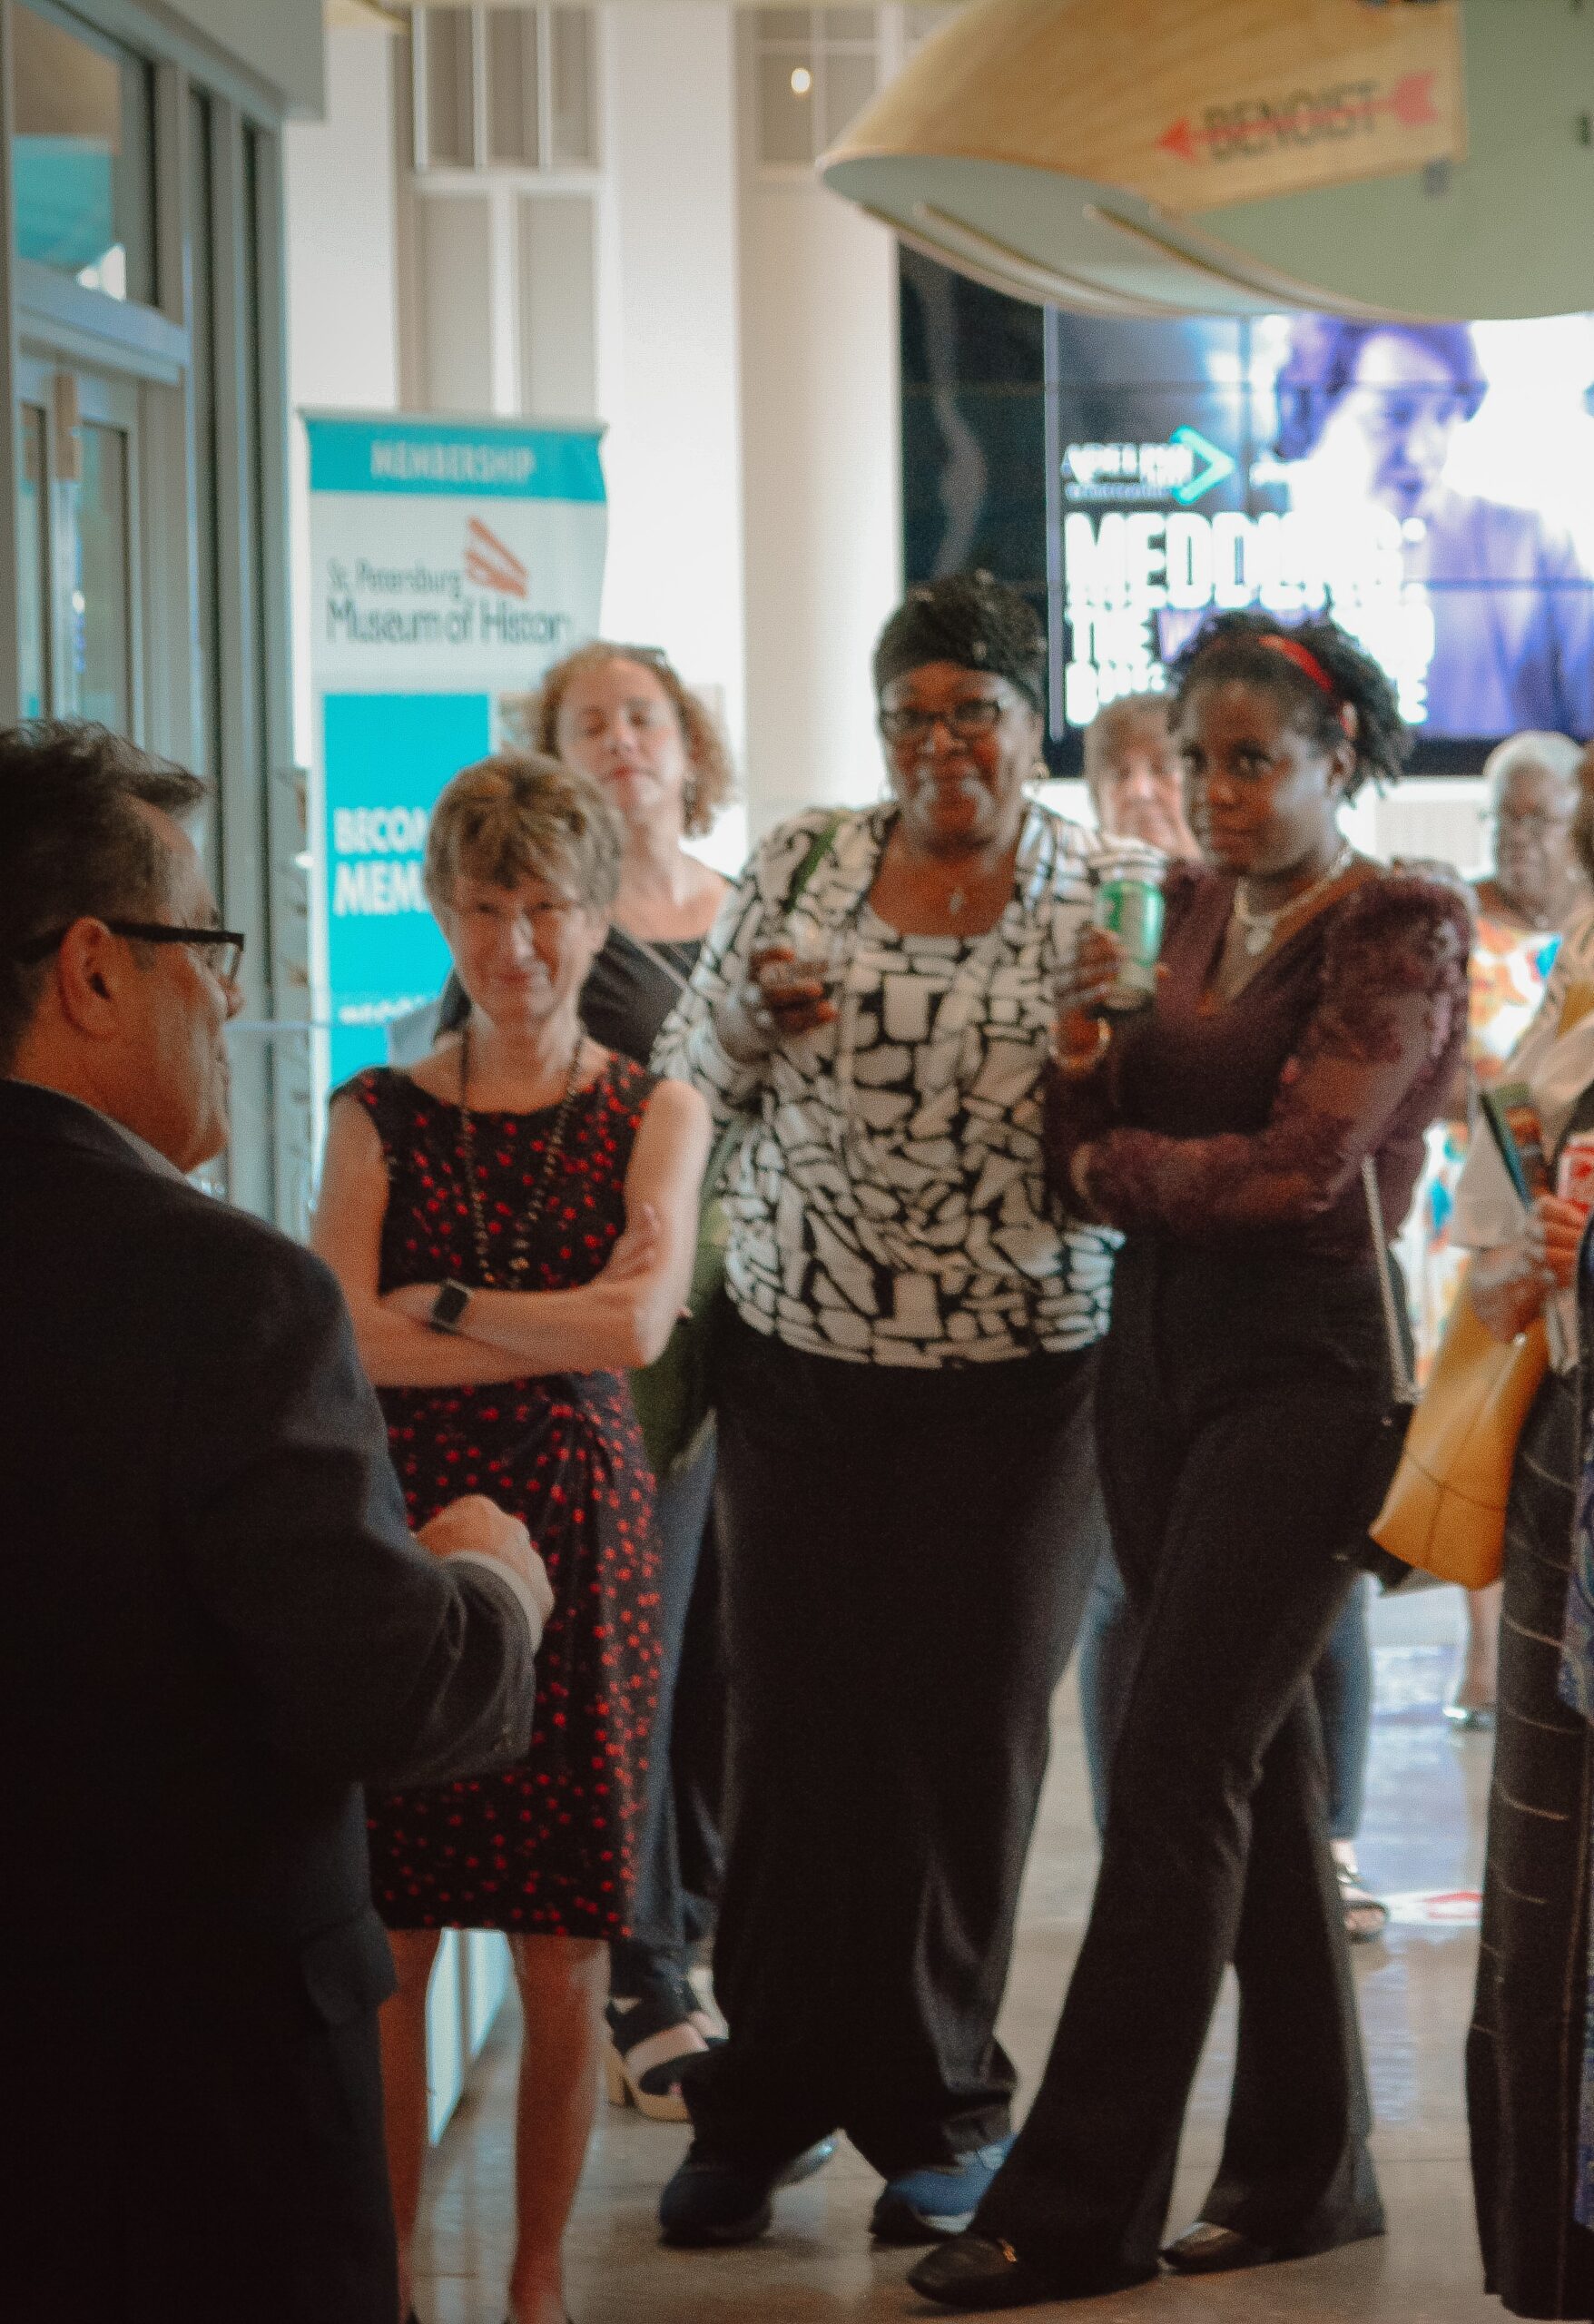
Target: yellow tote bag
{"points": [[1445, 1511]]}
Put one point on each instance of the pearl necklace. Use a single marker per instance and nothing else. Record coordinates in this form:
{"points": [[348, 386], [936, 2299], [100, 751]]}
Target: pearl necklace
{"points": [[1260, 927]]}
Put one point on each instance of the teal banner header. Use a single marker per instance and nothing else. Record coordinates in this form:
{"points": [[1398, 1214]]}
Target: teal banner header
{"points": [[458, 457]]}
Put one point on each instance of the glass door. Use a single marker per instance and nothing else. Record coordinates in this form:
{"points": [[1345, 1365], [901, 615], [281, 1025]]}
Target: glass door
{"points": [[77, 547], [33, 550]]}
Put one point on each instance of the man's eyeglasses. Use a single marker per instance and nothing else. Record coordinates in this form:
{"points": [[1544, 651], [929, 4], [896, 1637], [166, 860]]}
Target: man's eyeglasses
{"points": [[981, 715], [224, 945]]}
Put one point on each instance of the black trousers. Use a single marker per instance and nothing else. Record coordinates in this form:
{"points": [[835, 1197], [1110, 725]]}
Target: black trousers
{"points": [[677, 1851], [1525, 2048], [906, 1556], [1237, 1406]]}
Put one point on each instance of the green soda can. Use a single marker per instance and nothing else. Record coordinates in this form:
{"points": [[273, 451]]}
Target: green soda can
{"points": [[1128, 902]]}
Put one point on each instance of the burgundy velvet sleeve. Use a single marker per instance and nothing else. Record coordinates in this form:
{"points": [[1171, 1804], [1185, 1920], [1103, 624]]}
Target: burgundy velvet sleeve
{"points": [[1394, 994]]}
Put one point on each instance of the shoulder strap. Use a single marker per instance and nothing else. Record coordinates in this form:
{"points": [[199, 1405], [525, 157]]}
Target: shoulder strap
{"points": [[819, 846], [660, 960]]}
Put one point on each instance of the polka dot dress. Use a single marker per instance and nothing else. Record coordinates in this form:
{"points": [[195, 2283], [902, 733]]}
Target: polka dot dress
{"points": [[547, 1846]]}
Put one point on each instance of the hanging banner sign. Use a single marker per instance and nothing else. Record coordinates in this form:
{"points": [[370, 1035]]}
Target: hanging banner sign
{"points": [[452, 562]]}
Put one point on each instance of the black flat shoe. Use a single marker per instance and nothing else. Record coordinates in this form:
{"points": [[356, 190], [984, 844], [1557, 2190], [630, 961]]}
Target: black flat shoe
{"points": [[1207, 2250], [713, 2200], [977, 2271]]}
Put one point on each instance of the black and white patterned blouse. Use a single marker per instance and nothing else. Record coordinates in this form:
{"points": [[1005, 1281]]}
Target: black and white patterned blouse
{"points": [[888, 1205]]}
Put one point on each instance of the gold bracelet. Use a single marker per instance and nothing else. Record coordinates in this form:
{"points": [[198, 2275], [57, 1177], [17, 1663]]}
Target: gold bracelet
{"points": [[1074, 1068]]}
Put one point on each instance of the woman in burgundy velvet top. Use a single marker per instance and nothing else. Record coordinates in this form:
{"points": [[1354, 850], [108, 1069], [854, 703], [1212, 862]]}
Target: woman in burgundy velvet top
{"points": [[1311, 1013]]}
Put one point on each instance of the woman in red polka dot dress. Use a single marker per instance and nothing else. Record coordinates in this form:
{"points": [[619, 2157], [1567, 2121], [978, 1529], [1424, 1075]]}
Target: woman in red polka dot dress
{"points": [[513, 1222]]}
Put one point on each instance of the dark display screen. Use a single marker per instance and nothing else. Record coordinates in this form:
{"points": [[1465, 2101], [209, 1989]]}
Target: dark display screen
{"points": [[1430, 486]]}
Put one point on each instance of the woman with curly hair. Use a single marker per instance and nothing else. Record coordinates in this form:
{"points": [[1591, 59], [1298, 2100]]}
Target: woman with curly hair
{"points": [[623, 715], [1310, 1013]]}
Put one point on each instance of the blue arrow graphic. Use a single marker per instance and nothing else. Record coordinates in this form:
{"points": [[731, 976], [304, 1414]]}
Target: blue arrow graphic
{"points": [[1218, 465]]}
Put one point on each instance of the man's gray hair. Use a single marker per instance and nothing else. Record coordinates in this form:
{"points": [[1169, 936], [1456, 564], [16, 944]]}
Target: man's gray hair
{"points": [[72, 845]]}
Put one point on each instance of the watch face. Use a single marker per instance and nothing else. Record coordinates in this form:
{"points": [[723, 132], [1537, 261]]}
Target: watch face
{"points": [[448, 1305]]}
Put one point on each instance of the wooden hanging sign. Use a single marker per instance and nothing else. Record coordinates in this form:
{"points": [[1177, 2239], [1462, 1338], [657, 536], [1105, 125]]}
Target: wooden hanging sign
{"points": [[1192, 103]]}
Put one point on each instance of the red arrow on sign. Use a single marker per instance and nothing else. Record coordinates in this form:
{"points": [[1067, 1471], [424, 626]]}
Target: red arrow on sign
{"points": [[1411, 101]]}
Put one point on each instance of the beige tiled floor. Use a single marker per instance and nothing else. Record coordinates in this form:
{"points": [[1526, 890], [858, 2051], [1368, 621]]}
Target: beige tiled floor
{"points": [[1422, 1832]]}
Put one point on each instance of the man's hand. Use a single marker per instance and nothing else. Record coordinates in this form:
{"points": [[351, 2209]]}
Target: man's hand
{"points": [[479, 1525]]}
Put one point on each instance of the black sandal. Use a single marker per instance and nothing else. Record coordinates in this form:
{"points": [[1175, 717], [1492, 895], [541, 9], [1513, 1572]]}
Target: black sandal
{"points": [[649, 2039], [1357, 1902]]}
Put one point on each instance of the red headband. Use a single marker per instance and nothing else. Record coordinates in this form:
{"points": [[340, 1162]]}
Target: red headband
{"points": [[1304, 659]]}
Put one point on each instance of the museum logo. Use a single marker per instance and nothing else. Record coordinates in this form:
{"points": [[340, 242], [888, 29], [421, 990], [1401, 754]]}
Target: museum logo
{"points": [[1181, 468], [491, 563]]}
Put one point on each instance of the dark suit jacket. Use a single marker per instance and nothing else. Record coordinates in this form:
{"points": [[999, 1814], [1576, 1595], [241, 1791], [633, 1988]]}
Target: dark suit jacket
{"points": [[214, 1626]]}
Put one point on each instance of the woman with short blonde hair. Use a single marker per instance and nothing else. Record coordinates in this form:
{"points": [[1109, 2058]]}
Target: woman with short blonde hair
{"points": [[513, 1222]]}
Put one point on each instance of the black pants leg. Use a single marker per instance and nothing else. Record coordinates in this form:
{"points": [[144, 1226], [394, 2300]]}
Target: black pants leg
{"points": [[657, 1946], [698, 1746], [1236, 1421], [901, 1590], [1342, 1685]]}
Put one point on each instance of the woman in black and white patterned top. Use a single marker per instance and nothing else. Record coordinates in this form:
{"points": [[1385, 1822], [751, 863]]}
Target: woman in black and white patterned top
{"points": [[907, 1486]]}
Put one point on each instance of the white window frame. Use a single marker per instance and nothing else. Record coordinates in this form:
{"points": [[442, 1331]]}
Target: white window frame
{"points": [[544, 167], [503, 186], [888, 46]]}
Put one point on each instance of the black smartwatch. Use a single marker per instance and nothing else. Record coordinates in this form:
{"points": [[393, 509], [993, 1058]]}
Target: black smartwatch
{"points": [[448, 1308]]}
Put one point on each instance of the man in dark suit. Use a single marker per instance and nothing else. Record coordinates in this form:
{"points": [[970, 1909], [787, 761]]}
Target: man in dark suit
{"points": [[216, 1624]]}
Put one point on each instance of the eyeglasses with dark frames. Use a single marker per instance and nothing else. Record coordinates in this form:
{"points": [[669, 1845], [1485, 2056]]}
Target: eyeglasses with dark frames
{"points": [[979, 715], [225, 945]]}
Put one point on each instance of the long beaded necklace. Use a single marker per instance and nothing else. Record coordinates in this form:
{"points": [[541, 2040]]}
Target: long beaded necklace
{"points": [[1260, 927], [519, 1241]]}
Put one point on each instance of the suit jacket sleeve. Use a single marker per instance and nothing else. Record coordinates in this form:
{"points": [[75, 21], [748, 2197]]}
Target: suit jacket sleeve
{"points": [[371, 1660]]}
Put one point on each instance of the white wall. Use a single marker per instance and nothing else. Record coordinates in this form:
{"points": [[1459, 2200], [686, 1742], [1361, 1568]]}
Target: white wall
{"points": [[669, 380], [342, 276], [343, 281], [747, 373], [822, 489]]}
